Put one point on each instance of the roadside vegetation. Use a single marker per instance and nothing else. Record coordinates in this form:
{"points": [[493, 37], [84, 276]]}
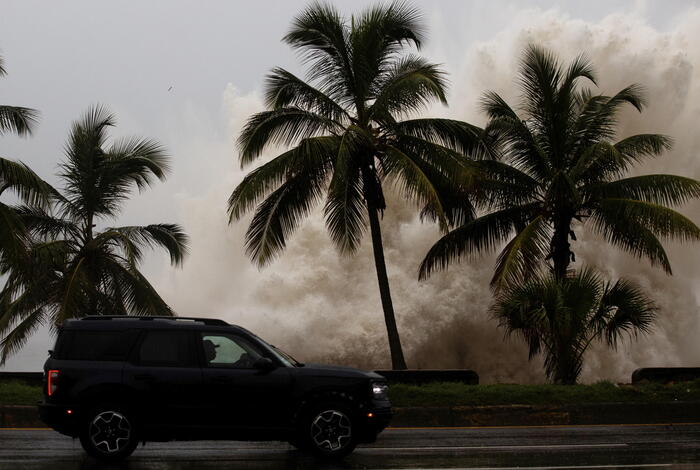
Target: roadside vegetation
{"points": [[456, 394], [17, 392]]}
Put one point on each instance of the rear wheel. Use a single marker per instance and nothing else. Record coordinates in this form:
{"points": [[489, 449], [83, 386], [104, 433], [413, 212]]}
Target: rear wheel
{"points": [[109, 433], [329, 430]]}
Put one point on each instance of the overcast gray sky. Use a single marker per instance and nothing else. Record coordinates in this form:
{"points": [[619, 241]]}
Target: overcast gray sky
{"points": [[63, 56]]}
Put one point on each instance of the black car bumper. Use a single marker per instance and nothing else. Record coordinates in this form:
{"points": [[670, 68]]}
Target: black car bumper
{"points": [[373, 421], [62, 418]]}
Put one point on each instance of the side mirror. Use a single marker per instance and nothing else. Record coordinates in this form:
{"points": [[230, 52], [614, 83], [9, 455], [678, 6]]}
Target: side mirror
{"points": [[264, 363]]}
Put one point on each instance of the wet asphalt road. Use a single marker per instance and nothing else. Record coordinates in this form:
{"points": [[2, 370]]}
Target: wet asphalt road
{"points": [[645, 447]]}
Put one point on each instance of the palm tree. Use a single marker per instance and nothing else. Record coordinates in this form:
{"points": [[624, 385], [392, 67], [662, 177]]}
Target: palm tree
{"points": [[560, 169], [347, 138], [71, 269], [562, 317]]}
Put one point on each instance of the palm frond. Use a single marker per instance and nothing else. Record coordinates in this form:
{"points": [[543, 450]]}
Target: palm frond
{"points": [[18, 336], [12, 237], [313, 155], [171, 237], [522, 257], [44, 224], [320, 34], [284, 126], [660, 220], [375, 38], [597, 120], [514, 138], [416, 182], [458, 136], [631, 235], [410, 85], [19, 178], [345, 206], [624, 308], [18, 120], [481, 235], [284, 90], [666, 190], [603, 160], [136, 294], [279, 215]]}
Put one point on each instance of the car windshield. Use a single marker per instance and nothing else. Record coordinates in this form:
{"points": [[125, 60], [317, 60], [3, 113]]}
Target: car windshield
{"points": [[286, 359]]}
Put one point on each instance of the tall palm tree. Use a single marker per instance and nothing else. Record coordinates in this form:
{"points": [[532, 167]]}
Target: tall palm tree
{"points": [[71, 268], [347, 139], [562, 317], [560, 169]]}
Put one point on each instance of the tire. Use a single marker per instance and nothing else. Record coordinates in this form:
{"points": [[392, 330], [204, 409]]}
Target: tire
{"points": [[109, 433], [328, 430]]}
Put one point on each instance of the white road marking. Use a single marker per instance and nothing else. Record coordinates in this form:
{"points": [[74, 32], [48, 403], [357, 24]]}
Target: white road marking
{"points": [[569, 467], [512, 447]]}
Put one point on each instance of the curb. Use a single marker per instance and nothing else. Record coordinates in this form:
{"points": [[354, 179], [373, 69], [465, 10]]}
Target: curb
{"points": [[23, 416]]}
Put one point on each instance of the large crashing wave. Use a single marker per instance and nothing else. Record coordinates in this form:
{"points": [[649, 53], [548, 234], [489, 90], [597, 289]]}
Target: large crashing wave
{"points": [[323, 307]]}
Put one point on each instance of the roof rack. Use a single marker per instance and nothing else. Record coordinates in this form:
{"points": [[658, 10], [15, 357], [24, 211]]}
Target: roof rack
{"points": [[206, 321]]}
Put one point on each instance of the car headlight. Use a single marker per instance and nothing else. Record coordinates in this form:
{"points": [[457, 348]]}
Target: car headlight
{"points": [[380, 391]]}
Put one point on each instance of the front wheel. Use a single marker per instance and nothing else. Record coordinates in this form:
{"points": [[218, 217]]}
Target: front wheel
{"points": [[109, 433], [329, 430]]}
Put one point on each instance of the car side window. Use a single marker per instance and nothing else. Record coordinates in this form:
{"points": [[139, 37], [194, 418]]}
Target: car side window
{"points": [[167, 349], [228, 351]]}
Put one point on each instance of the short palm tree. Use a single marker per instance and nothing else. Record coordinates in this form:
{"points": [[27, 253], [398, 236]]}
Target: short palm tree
{"points": [[561, 317], [559, 168], [347, 139], [71, 269]]}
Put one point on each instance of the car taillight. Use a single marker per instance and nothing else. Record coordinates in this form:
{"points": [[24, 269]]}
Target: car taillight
{"points": [[52, 380]]}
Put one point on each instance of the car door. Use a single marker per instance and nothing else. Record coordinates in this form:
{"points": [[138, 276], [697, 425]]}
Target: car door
{"points": [[241, 395], [167, 377]]}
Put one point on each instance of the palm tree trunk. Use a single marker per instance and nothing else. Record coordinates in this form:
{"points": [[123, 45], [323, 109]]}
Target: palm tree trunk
{"points": [[397, 360], [561, 254], [566, 369]]}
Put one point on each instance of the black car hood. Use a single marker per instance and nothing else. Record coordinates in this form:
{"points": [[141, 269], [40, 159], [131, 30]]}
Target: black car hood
{"points": [[326, 370]]}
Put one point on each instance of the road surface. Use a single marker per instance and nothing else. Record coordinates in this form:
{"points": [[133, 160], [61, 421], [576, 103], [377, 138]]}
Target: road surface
{"points": [[674, 446]]}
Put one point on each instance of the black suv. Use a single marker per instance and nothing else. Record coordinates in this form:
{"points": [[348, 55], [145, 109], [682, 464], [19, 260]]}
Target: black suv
{"points": [[117, 381]]}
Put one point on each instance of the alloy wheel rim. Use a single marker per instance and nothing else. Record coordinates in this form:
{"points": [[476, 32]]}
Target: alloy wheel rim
{"points": [[110, 432], [331, 430]]}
